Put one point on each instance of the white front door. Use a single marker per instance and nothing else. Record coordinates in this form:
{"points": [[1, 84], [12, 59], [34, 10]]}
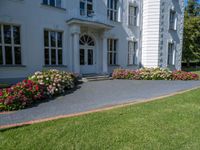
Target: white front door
{"points": [[87, 60], [87, 55]]}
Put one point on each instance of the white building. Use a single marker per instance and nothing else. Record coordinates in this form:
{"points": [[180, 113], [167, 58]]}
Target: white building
{"points": [[89, 36]]}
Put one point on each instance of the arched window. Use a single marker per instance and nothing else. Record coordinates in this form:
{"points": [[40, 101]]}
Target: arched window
{"points": [[86, 40]]}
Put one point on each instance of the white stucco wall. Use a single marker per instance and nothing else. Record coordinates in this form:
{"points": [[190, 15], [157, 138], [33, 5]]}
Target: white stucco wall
{"points": [[33, 18]]}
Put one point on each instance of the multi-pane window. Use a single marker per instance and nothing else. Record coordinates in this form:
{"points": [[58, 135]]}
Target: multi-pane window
{"points": [[53, 48], [172, 20], [132, 53], [54, 3], [10, 45], [133, 15], [171, 54], [112, 51], [86, 8], [112, 11]]}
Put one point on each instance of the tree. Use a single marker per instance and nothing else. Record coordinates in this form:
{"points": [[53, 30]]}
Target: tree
{"points": [[191, 39], [193, 8]]}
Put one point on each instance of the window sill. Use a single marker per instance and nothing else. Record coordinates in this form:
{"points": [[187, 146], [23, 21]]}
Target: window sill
{"points": [[55, 66], [12, 66], [53, 7]]}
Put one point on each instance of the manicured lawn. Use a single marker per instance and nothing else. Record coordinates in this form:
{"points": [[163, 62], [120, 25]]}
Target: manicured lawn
{"points": [[170, 123]]}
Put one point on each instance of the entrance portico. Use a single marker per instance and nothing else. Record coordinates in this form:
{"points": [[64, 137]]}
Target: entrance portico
{"points": [[89, 49]]}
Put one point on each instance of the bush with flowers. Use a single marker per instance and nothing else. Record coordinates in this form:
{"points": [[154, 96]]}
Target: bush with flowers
{"points": [[153, 74], [20, 95], [143, 74], [56, 82], [182, 75]]}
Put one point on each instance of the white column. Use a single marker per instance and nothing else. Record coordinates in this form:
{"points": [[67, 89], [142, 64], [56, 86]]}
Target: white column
{"points": [[105, 55], [76, 53]]}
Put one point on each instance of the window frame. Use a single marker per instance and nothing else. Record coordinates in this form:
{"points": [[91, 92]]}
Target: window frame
{"points": [[112, 52], [12, 45], [55, 3], [50, 47], [112, 11], [171, 57], [133, 54], [172, 20], [85, 11], [133, 17]]}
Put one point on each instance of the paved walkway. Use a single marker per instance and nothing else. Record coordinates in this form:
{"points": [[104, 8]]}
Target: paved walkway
{"points": [[93, 95]]}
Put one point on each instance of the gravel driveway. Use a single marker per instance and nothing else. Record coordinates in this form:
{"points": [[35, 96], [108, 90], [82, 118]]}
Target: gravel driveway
{"points": [[93, 95]]}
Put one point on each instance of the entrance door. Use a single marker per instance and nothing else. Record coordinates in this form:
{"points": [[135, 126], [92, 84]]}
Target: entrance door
{"points": [[87, 55], [87, 60]]}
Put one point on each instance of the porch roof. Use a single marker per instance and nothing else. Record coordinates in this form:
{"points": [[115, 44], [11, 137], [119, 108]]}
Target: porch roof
{"points": [[94, 24]]}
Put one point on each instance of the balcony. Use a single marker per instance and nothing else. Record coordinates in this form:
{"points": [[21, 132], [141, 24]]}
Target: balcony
{"points": [[88, 18]]}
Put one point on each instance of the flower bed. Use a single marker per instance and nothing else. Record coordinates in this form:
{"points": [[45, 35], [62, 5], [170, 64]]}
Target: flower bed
{"points": [[153, 74], [55, 82], [38, 87], [20, 95], [182, 75]]}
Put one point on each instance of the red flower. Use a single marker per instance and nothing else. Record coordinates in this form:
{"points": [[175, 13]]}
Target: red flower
{"points": [[37, 88], [1, 93]]}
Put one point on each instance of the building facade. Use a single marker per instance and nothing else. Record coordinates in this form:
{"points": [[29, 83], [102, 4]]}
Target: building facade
{"points": [[89, 36]]}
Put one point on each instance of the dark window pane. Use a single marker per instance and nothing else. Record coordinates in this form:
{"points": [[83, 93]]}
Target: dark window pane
{"points": [[45, 1], [111, 45], [53, 39], [8, 55], [60, 62], [90, 57], [115, 59], [52, 2], [18, 55], [16, 33], [89, 10], [59, 34], [46, 55], [7, 34], [46, 38], [115, 45], [110, 58], [82, 57], [115, 4], [0, 35], [53, 57], [82, 8], [1, 56], [111, 15]]}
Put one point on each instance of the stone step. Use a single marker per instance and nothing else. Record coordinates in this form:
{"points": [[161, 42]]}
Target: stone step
{"points": [[95, 78]]}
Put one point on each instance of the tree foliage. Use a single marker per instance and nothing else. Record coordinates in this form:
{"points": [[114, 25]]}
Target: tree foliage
{"points": [[191, 41]]}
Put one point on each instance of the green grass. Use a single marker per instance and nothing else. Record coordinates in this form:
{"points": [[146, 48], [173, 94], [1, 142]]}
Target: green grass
{"points": [[171, 123]]}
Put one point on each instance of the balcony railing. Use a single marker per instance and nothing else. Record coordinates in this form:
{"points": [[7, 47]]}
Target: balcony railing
{"points": [[88, 15]]}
